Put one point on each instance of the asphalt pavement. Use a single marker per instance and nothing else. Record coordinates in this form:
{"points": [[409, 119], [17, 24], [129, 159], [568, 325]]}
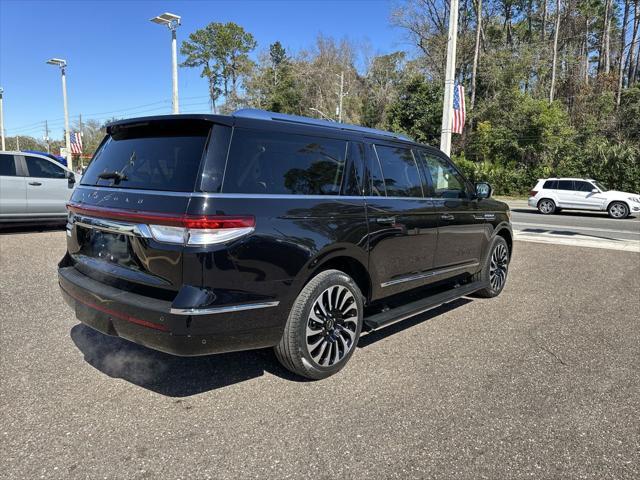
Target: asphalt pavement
{"points": [[574, 227], [541, 382]]}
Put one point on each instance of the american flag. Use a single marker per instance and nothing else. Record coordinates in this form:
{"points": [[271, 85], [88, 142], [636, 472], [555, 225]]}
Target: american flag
{"points": [[459, 111], [76, 143]]}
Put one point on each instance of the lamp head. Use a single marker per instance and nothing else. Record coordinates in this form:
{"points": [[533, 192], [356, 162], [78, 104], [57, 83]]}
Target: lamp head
{"points": [[57, 61], [171, 20]]}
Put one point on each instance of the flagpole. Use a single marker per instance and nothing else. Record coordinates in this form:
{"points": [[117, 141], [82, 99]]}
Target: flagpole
{"points": [[447, 106]]}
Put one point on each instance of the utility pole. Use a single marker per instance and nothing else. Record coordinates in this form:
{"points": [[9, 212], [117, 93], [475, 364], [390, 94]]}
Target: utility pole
{"points": [[476, 52], [447, 106], [2, 118], [46, 136], [18, 143], [341, 95]]}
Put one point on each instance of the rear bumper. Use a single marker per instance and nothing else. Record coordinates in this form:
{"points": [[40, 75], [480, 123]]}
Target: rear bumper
{"points": [[533, 202], [151, 322]]}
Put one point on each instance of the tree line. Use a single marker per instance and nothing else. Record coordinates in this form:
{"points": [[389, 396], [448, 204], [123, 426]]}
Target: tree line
{"points": [[552, 86]]}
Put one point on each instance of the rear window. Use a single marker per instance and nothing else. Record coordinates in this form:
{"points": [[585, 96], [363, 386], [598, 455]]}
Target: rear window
{"points": [[270, 162], [155, 156]]}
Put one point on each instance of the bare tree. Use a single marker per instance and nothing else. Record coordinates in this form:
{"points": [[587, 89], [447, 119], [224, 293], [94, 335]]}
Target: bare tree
{"points": [[623, 34], [634, 56], [555, 52], [604, 60]]}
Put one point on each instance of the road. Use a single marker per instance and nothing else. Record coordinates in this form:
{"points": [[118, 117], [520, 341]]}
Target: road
{"points": [[542, 382], [576, 227]]}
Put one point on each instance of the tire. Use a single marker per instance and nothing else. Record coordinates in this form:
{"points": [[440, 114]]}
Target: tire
{"points": [[618, 210], [546, 206], [304, 352], [497, 261]]}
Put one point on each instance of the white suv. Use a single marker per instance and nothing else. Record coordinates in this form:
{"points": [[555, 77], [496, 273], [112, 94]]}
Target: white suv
{"points": [[553, 194]]}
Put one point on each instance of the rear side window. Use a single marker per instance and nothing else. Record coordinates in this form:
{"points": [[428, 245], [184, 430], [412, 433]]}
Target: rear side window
{"points": [[41, 168], [162, 155], [270, 162], [7, 165], [400, 171], [550, 185], [565, 184]]}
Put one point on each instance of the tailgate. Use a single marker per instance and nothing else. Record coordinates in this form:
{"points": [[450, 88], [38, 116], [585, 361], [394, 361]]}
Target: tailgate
{"points": [[143, 173]]}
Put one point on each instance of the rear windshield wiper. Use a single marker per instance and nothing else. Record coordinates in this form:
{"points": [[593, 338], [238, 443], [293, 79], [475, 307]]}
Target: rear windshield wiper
{"points": [[117, 177]]}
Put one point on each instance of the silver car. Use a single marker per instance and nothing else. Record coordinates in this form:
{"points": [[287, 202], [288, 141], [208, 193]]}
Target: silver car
{"points": [[33, 188]]}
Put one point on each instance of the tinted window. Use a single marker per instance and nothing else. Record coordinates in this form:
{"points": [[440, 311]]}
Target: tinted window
{"points": [[565, 184], [41, 168], [583, 186], [213, 169], [156, 156], [550, 185], [7, 165], [400, 171], [352, 184], [278, 163], [446, 181]]}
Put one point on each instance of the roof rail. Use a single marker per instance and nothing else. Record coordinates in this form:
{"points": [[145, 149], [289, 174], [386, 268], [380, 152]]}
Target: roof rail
{"points": [[282, 117]]}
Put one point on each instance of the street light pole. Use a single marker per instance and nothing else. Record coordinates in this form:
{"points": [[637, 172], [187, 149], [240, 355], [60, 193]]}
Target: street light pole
{"points": [[172, 21], [174, 76], [67, 135], [447, 106], [2, 118]]}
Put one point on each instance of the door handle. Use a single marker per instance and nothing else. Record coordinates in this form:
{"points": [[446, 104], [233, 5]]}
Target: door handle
{"points": [[386, 220], [447, 216], [35, 184]]}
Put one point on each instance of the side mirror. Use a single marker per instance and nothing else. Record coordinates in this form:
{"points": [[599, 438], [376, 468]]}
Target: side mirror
{"points": [[483, 190], [595, 190], [71, 179]]}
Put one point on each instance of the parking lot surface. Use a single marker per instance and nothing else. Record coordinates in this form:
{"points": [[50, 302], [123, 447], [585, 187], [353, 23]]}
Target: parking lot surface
{"points": [[541, 382]]}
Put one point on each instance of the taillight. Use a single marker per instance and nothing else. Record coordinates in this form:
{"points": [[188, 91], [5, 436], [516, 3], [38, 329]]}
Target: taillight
{"points": [[533, 193], [178, 229]]}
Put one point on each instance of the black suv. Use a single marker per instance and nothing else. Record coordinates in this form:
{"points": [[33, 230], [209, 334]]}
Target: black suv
{"points": [[197, 234]]}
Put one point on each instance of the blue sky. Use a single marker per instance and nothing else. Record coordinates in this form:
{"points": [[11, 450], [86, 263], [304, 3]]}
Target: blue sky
{"points": [[120, 63]]}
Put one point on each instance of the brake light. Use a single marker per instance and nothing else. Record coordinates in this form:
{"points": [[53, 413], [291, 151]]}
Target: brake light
{"points": [[178, 229], [533, 193]]}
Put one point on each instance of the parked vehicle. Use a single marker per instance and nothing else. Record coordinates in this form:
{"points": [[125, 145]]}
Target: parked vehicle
{"points": [[33, 188], [551, 195], [61, 160], [197, 234]]}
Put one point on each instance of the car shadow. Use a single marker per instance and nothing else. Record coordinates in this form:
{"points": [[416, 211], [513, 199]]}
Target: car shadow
{"points": [[384, 332], [170, 375], [174, 376]]}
